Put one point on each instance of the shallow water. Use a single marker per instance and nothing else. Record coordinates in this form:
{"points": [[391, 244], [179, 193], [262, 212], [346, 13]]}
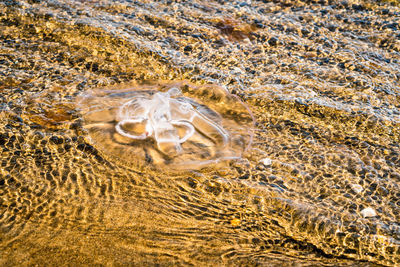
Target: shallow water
{"points": [[319, 186]]}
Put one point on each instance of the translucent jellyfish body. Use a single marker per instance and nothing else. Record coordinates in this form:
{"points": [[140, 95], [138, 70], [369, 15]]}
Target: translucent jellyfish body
{"points": [[174, 126]]}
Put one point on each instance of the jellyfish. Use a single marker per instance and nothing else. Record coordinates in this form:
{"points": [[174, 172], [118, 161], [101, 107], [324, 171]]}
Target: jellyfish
{"points": [[175, 126], [161, 117]]}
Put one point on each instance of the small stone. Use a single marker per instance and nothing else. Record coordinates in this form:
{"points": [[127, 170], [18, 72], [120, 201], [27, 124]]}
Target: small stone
{"points": [[187, 48], [235, 222], [56, 140], [273, 41], [358, 7], [26, 146], [266, 161], [385, 11], [357, 188], [236, 71], [368, 212]]}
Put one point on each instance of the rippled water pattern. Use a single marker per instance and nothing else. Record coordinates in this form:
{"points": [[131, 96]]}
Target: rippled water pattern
{"points": [[320, 184]]}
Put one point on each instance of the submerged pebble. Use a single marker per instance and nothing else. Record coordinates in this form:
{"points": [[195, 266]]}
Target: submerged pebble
{"points": [[368, 212], [357, 188], [266, 161]]}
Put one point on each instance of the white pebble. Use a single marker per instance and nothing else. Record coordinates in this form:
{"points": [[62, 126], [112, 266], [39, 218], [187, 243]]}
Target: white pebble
{"points": [[368, 212], [236, 71], [357, 188], [266, 161]]}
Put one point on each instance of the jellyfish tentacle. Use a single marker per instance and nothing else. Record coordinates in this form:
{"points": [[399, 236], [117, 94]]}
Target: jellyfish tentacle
{"points": [[167, 138], [174, 91], [189, 127], [181, 110], [159, 108], [208, 128], [148, 128], [134, 106]]}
